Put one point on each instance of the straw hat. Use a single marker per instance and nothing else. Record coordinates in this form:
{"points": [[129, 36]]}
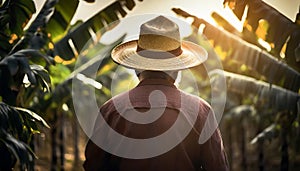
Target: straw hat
{"points": [[159, 49]]}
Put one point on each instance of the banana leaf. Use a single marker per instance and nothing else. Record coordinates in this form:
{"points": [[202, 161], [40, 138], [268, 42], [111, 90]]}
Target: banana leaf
{"points": [[80, 36], [244, 53], [275, 97], [281, 28]]}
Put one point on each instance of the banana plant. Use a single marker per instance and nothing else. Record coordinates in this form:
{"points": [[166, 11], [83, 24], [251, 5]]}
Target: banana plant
{"points": [[259, 81], [254, 59], [16, 128], [281, 32], [67, 52], [23, 75]]}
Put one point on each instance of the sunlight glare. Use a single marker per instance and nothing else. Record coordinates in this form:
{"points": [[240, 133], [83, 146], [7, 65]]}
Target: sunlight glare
{"points": [[227, 14], [131, 27]]}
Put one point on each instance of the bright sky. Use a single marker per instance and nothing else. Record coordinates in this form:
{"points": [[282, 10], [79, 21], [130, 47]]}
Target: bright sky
{"points": [[200, 8]]}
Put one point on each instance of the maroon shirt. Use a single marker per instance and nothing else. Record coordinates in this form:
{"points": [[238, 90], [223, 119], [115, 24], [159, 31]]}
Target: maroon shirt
{"points": [[188, 155]]}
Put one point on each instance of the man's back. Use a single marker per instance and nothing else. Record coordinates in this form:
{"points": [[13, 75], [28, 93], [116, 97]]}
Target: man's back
{"points": [[161, 113]]}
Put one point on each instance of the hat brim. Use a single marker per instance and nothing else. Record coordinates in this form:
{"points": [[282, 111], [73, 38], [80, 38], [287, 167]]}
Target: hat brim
{"points": [[192, 55]]}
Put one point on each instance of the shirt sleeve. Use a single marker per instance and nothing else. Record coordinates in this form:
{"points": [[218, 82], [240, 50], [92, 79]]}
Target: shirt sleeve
{"points": [[93, 157], [96, 158], [213, 154]]}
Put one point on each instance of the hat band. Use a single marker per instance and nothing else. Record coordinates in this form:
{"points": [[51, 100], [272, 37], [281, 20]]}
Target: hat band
{"points": [[158, 54]]}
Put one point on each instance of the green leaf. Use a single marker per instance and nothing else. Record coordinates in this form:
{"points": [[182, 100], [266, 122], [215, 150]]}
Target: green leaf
{"points": [[240, 112], [130, 4], [7, 159], [42, 76], [10, 119], [80, 36], [61, 19], [18, 13], [89, 1], [278, 98], [39, 23], [33, 115], [18, 64], [269, 133], [19, 149], [224, 23], [58, 73], [256, 58], [5, 46]]}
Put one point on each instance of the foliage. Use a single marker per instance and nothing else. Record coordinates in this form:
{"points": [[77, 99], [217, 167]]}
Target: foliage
{"points": [[263, 89], [16, 128], [265, 22], [23, 76], [27, 58], [50, 46], [18, 124]]}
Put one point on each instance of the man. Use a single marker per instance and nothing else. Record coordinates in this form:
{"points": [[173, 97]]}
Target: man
{"points": [[155, 126]]}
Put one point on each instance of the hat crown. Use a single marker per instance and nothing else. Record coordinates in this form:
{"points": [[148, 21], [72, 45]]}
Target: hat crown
{"points": [[159, 34], [159, 48]]}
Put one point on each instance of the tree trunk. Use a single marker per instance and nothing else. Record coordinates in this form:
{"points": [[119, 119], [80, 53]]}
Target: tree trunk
{"points": [[76, 141], [284, 152], [54, 143], [61, 140]]}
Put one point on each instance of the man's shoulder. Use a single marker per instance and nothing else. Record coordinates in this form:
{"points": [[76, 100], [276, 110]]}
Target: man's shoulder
{"points": [[176, 99], [191, 98], [115, 99], [194, 104]]}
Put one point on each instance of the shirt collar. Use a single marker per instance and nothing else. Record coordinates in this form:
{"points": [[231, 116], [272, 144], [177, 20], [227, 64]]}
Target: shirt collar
{"points": [[156, 81]]}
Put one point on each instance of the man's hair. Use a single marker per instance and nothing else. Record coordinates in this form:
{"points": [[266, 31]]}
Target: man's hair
{"points": [[171, 75]]}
